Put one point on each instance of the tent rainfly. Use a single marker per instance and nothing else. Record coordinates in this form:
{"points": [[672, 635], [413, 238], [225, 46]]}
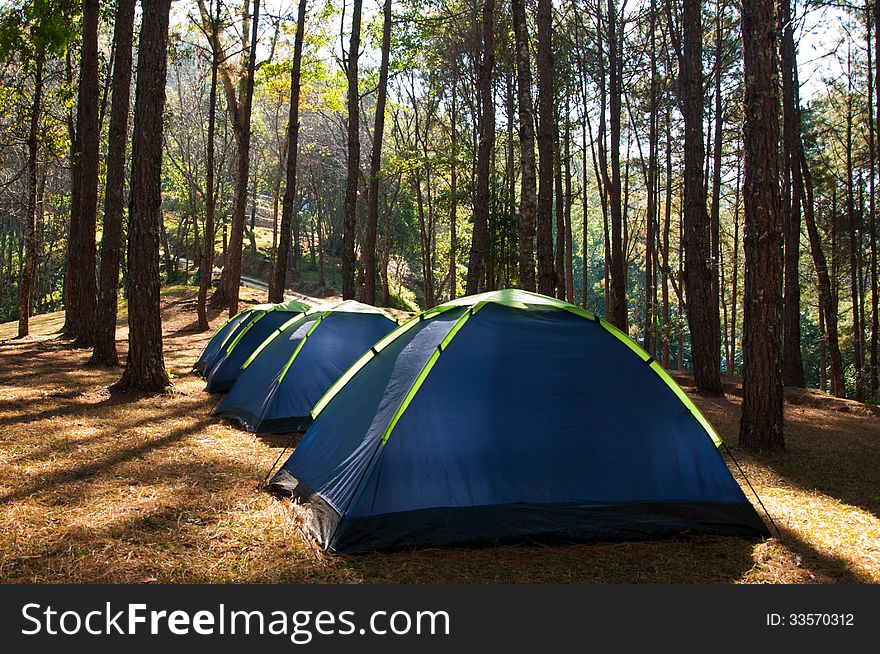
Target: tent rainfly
{"points": [[222, 367], [504, 416], [295, 365]]}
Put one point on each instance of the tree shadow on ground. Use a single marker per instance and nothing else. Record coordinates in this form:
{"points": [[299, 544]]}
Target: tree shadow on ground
{"points": [[102, 465]]}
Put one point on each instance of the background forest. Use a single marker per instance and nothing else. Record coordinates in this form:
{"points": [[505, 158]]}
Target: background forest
{"points": [[407, 152]]}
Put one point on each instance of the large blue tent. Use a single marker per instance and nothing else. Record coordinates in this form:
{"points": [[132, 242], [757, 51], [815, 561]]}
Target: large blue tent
{"points": [[244, 339], [504, 416], [296, 364]]}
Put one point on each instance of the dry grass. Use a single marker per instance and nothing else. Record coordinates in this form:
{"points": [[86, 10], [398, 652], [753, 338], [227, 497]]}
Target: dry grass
{"points": [[95, 488]]}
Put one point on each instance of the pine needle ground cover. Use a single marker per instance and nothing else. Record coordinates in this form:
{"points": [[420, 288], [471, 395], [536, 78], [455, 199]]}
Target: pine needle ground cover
{"points": [[100, 488]]}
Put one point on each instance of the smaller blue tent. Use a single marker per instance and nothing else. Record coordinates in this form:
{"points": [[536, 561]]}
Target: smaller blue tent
{"points": [[245, 339], [225, 335], [295, 365]]}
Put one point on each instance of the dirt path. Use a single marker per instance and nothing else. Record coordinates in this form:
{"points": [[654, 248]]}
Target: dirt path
{"points": [[95, 488]]}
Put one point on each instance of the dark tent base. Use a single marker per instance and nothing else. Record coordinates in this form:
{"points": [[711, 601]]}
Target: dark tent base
{"points": [[484, 525], [252, 423]]}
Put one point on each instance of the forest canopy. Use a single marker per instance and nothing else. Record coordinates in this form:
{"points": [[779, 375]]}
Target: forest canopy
{"points": [[613, 154]]}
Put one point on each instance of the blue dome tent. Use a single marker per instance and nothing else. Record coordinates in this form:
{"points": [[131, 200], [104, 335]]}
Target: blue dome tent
{"points": [[222, 337], [503, 416], [295, 365], [247, 335]]}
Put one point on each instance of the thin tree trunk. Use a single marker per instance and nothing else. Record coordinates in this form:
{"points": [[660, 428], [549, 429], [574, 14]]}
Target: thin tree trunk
{"points": [[569, 245], [792, 361], [349, 226], [114, 202], [72, 267], [617, 307], [559, 214], [371, 229], [526, 114], [206, 269], [651, 218], [761, 426], [858, 361], [29, 269], [476, 277], [145, 365], [453, 209], [875, 122], [279, 272], [241, 115], [544, 219], [733, 291], [827, 292]]}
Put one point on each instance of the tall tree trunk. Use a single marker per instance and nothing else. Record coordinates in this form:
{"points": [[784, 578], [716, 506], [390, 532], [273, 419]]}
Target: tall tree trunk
{"points": [[526, 115], [544, 219], [651, 218], [453, 208], [827, 293], [206, 267], [858, 359], [761, 426], [569, 245], [145, 365], [702, 301], [792, 361], [279, 272], [368, 254], [875, 122], [114, 199], [667, 224], [241, 118], [72, 267], [349, 225], [559, 214], [480, 237], [617, 308], [29, 269], [89, 92], [734, 291]]}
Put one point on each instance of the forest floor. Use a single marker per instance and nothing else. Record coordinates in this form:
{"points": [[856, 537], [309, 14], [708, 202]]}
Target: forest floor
{"points": [[100, 488]]}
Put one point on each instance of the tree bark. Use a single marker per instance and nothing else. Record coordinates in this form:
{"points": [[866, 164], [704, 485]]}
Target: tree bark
{"points": [[89, 92], [476, 277], [114, 200], [371, 228], [279, 272], [349, 227], [761, 426], [702, 303], [145, 365], [526, 115]]}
